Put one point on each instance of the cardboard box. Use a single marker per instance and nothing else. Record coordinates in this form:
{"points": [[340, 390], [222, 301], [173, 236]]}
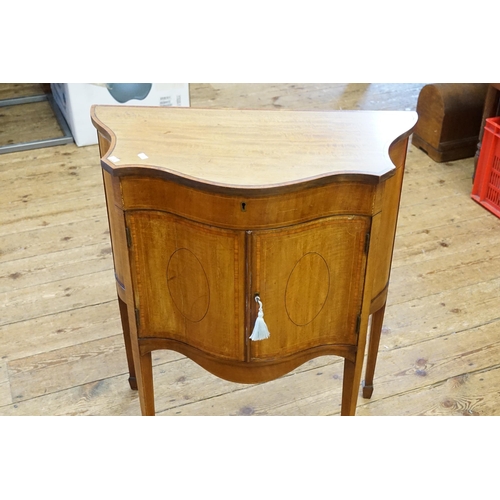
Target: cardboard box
{"points": [[75, 100]]}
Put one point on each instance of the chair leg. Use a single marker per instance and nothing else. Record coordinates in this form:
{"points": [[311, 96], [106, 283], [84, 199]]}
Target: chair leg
{"points": [[146, 388], [373, 346], [128, 346]]}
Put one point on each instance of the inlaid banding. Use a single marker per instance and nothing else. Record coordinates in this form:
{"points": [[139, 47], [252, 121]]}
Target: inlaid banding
{"points": [[188, 285], [307, 289]]}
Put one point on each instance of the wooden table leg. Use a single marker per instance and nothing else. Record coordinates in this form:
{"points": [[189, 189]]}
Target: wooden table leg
{"points": [[146, 388], [128, 347], [374, 342], [350, 388]]}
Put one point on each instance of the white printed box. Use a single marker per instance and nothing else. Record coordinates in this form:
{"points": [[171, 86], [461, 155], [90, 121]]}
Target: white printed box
{"points": [[75, 100]]}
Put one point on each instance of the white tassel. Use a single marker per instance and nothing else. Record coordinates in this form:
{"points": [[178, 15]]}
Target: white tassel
{"points": [[260, 331]]}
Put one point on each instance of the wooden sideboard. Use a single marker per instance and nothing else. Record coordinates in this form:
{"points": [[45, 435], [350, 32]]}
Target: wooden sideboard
{"points": [[211, 208]]}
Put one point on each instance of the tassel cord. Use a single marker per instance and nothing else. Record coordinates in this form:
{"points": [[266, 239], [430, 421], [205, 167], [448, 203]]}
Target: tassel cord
{"points": [[260, 330]]}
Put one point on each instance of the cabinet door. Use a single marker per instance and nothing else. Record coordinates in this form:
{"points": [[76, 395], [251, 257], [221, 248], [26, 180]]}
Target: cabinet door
{"points": [[310, 278], [188, 282]]}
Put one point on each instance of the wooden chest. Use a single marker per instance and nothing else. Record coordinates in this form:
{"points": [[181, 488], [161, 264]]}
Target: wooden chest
{"points": [[449, 120]]}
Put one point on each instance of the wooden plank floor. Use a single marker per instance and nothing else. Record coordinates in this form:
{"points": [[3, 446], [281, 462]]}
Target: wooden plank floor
{"points": [[61, 349]]}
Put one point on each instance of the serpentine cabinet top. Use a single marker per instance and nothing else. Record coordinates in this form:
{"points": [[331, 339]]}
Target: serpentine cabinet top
{"points": [[250, 149]]}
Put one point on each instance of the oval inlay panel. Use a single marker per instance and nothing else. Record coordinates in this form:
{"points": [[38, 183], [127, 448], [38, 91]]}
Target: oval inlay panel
{"points": [[188, 284], [307, 289]]}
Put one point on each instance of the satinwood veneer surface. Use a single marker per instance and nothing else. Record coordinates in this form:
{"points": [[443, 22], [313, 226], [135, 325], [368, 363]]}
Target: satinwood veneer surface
{"points": [[253, 148]]}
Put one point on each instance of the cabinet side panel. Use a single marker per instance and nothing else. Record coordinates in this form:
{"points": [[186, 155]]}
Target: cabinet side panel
{"points": [[383, 241], [118, 236], [188, 282], [310, 279]]}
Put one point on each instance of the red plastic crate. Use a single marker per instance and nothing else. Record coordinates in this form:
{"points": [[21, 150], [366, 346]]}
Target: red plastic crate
{"points": [[486, 189]]}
